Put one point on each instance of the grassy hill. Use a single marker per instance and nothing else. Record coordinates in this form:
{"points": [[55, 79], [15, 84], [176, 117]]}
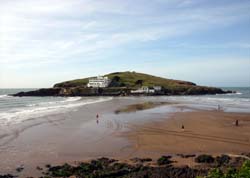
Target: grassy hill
{"points": [[131, 80], [121, 85]]}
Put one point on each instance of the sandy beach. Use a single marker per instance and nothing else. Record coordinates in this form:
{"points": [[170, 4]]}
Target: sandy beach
{"points": [[212, 132], [78, 135]]}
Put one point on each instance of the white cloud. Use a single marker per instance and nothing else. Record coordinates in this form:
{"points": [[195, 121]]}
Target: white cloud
{"points": [[53, 31], [38, 29]]}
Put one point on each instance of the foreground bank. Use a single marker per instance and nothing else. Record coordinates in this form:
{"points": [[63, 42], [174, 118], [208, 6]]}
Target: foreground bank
{"points": [[221, 166]]}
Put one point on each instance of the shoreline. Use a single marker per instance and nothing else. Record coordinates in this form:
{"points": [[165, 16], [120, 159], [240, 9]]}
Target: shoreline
{"points": [[76, 136]]}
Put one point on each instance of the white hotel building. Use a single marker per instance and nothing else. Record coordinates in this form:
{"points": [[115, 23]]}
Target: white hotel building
{"points": [[99, 82]]}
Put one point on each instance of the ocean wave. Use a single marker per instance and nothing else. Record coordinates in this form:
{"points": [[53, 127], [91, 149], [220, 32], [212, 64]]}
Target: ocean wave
{"points": [[48, 103], [231, 94], [238, 93], [38, 110], [233, 104], [4, 96]]}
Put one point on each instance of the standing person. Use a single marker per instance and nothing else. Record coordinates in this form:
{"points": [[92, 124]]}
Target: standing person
{"points": [[97, 118], [237, 123], [182, 127]]}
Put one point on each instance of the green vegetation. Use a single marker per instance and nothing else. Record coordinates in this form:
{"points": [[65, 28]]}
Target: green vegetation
{"points": [[73, 83], [132, 80], [243, 172]]}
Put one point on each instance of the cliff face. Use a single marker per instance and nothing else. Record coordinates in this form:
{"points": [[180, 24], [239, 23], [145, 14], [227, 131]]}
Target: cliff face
{"points": [[121, 84]]}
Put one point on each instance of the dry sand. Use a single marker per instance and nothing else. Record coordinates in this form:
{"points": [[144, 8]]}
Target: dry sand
{"points": [[211, 132]]}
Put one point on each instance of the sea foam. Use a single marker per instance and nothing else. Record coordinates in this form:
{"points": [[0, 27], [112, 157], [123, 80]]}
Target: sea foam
{"points": [[18, 115]]}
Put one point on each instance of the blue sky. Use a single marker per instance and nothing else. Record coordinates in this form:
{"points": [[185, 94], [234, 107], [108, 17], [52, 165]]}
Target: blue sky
{"points": [[43, 42]]}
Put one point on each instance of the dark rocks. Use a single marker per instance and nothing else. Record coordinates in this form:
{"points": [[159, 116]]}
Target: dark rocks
{"points": [[222, 160], [237, 162], [141, 160], [104, 167], [164, 160], [246, 154], [39, 168], [41, 92], [199, 90], [65, 170], [110, 168], [106, 161], [218, 161], [120, 91], [20, 169], [167, 172], [204, 159], [47, 165], [7, 176], [186, 156]]}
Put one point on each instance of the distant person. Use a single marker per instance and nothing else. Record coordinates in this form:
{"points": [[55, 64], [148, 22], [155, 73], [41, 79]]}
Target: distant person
{"points": [[237, 123], [97, 120], [182, 127]]}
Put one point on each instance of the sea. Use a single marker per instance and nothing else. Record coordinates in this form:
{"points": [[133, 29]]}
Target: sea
{"points": [[14, 110]]}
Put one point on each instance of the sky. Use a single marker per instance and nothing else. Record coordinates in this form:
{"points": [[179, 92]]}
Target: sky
{"points": [[44, 42]]}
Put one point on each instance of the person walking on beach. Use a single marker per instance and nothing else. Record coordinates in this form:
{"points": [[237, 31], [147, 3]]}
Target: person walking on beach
{"points": [[97, 118], [237, 123]]}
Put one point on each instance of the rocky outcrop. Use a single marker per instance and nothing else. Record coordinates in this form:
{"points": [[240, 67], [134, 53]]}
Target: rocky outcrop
{"points": [[121, 85], [225, 165], [41, 92], [119, 91], [105, 167], [198, 90]]}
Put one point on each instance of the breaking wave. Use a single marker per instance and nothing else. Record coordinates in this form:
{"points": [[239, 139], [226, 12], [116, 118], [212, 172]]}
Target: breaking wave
{"points": [[43, 108]]}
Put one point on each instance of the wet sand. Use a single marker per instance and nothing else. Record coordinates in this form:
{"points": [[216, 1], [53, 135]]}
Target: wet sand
{"points": [[68, 137], [77, 135]]}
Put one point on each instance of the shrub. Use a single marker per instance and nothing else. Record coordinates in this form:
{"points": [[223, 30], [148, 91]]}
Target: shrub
{"points": [[215, 173], [243, 172], [204, 159], [164, 160], [222, 160]]}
